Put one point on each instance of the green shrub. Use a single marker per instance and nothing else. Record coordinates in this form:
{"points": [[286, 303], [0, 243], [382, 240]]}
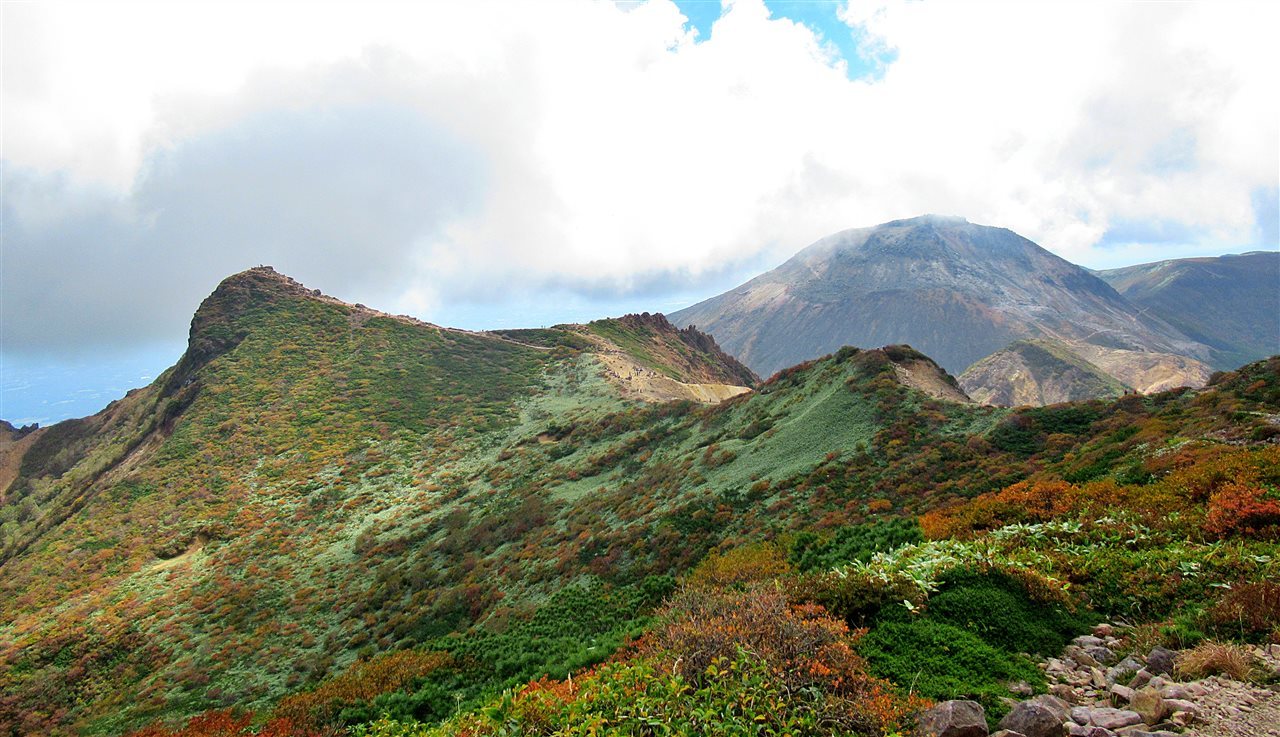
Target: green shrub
{"points": [[996, 607], [857, 543], [940, 661]]}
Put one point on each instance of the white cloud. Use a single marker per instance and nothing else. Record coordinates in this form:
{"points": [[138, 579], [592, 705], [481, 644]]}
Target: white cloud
{"points": [[591, 146]]}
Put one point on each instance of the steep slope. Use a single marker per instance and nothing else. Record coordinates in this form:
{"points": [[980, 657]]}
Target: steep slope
{"points": [[1229, 303], [1036, 372], [955, 290], [232, 506]]}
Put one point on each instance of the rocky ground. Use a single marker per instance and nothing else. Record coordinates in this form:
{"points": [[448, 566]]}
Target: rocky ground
{"points": [[1095, 693]]}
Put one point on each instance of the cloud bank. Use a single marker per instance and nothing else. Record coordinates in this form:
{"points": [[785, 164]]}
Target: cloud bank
{"points": [[420, 156]]}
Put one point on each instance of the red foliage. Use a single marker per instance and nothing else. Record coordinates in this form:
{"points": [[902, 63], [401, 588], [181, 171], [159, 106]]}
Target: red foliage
{"points": [[1241, 508]]}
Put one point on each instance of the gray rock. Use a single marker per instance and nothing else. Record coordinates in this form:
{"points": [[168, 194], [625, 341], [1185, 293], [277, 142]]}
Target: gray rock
{"points": [[1101, 654], [1123, 668], [953, 719], [1033, 720], [1087, 641], [1007, 733], [1160, 660], [1080, 714]]}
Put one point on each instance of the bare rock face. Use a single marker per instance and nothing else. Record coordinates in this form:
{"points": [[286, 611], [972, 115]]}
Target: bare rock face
{"points": [[953, 719], [1037, 372]]}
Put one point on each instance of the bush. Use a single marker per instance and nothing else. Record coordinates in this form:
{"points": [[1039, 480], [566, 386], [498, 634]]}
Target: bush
{"points": [[941, 661], [810, 552], [1250, 611], [996, 607]]}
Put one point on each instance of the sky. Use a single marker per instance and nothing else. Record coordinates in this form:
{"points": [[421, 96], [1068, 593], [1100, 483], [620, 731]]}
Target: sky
{"points": [[499, 164]]}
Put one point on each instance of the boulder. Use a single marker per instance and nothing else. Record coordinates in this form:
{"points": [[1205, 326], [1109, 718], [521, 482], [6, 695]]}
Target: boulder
{"points": [[1007, 733], [1033, 719], [1103, 630], [1087, 641], [953, 719], [1149, 704], [1160, 661]]}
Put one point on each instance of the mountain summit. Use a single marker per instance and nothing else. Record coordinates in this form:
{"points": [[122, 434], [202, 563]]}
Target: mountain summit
{"points": [[955, 290]]}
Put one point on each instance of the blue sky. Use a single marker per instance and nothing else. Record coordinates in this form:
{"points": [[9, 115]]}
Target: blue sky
{"points": [[819, 16], [512, 163]]}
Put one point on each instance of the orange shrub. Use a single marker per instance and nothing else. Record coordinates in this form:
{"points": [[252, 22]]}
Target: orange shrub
{"points": [[1241, 508]]}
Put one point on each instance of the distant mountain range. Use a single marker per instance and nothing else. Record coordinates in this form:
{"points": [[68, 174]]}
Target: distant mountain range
{"points": [[1229, 303], [961, 292]]}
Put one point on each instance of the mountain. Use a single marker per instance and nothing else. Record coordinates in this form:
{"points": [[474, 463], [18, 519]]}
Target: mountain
{"points": [[1229, 303], [324, 513], [952, 289], [1036, 372]]}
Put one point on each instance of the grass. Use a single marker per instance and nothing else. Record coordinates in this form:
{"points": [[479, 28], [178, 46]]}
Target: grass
{"points": [[1215, 659]]}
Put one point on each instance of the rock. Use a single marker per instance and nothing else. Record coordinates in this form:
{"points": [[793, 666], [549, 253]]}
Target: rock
{"points": [[1123, 668], [1087, 641], [1176, 705], [1077, 730], [1020, 688], [1175, 691], [1101, 654], [1080, 656], [1140, 679], [1182, 718], [1149, 704], [1061, 709], [1103, 630], [1080, 714], [1064, 692], [1097, 678], [1113, 718], [1033, 720], [953, 719], [1160, 660], [1007, 733], [1120, 695]]}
